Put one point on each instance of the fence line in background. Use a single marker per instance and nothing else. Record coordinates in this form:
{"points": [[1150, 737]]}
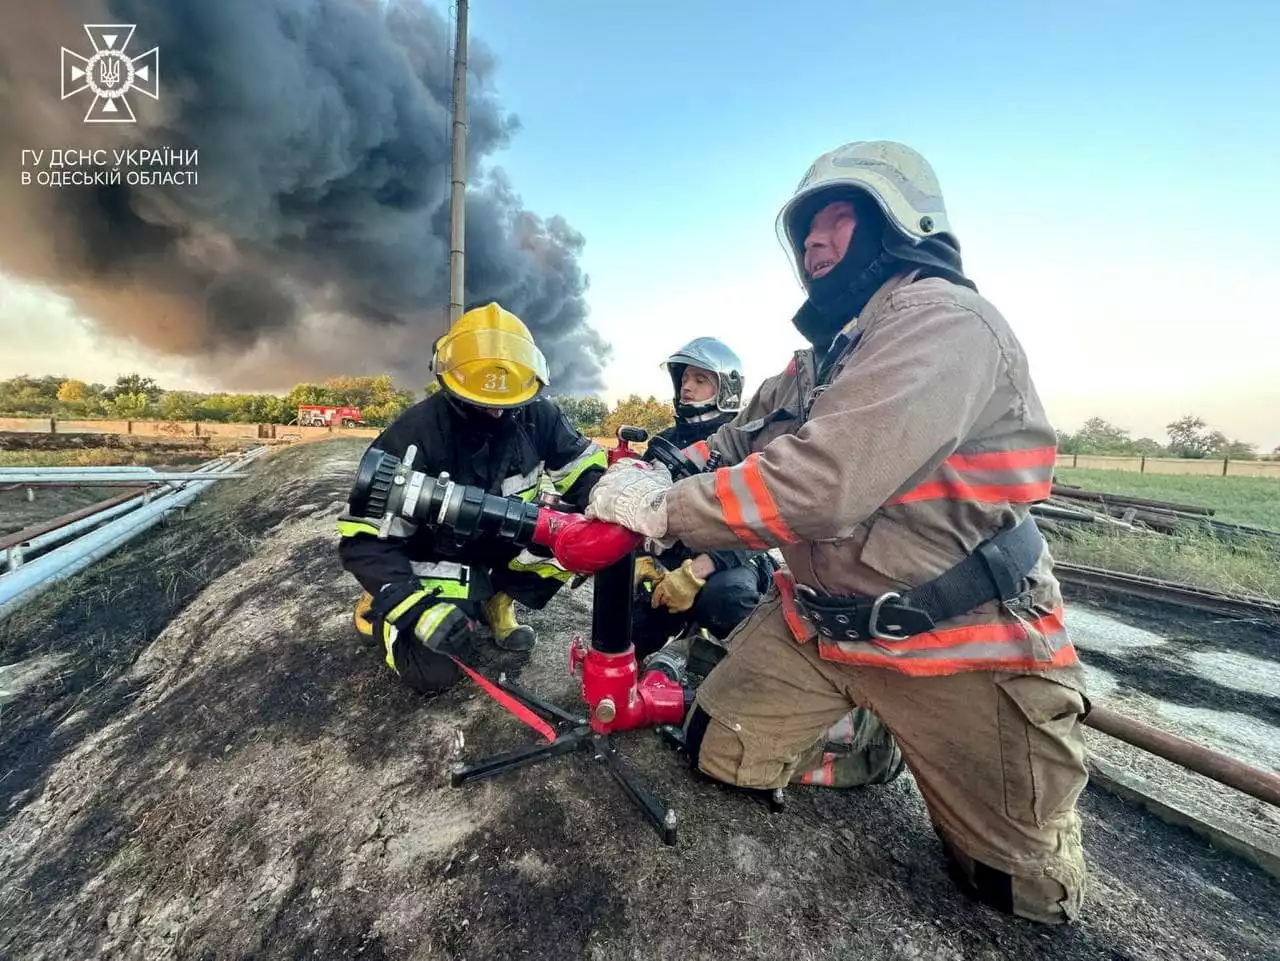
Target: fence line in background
{"points": [[177, 428], [1208, 467]]}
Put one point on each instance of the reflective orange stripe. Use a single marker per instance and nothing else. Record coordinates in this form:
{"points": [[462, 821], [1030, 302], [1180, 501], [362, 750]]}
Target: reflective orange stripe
{"points": [[934, 667], [769, 515], [925, 655], [998, 633], [958, 490], [703, 449], [990, 477], [799, 628], [731, 507], [1005, 459]]}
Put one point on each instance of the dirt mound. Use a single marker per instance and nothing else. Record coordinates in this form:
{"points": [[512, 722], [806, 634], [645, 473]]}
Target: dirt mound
{"points": [[210, 765]]}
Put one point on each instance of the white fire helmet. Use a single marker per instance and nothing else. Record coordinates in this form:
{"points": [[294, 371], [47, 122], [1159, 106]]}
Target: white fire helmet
{"points": [[900, 180]]}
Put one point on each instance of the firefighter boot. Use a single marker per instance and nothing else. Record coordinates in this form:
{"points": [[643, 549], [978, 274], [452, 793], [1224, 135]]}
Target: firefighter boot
{"points": [[500, 614], [363, 625]]}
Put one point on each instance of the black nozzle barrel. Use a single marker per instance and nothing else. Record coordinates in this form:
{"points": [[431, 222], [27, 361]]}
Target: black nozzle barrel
{"points": [[384, 486]]}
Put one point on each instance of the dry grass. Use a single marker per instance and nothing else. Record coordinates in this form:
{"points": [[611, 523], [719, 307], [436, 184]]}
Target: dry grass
{"points": [[1220, 561], [1245, 565], [104, 457]]}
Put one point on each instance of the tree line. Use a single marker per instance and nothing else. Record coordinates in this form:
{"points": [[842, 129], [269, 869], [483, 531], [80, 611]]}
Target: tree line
{"points": [[1189, 436], [134, 397]]}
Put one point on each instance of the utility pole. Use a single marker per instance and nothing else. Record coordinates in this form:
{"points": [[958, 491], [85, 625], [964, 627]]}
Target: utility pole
{"points": [[458, 184]]}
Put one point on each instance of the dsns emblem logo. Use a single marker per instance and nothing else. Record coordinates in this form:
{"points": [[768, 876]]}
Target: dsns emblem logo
{"points": [[110, 74]]}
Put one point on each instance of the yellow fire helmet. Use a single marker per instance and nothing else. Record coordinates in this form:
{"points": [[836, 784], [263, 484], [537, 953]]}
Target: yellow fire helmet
{"points": [[488, 358]]}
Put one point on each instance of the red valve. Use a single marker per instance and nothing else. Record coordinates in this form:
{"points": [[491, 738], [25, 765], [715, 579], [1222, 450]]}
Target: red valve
{"points": [[616, 700]]}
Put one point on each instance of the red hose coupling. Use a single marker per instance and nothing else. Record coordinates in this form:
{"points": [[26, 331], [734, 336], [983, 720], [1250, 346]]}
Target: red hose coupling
{"points": [[616, 701], [581, 544]]}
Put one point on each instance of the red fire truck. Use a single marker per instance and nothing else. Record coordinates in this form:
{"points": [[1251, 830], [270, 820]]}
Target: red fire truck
{"points": [[329, 415]]}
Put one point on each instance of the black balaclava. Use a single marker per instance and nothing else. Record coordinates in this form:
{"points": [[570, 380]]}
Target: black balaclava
{"points": [[876, 253], [477, 419]]}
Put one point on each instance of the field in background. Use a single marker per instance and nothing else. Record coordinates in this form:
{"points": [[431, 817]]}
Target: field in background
{"points": [[1205, 467], [1241, 500], [1237, 564]]}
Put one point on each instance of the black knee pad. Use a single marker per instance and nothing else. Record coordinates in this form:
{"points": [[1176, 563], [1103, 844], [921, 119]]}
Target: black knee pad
{"points": [[425, 670]]}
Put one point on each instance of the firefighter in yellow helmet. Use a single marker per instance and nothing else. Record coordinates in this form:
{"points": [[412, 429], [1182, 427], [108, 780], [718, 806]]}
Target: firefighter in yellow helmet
{"points": [[488, 425]]}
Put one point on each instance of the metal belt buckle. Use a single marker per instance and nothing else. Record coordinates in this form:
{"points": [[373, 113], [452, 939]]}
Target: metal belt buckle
{"points": [[802, 594], [873, 622]]}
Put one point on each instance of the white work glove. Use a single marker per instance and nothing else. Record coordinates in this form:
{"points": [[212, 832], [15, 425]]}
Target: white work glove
{"points": [[633, 494]]}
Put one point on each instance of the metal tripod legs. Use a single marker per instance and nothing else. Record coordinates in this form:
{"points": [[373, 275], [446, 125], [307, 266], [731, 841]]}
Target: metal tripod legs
{"points": [[573, 734]]}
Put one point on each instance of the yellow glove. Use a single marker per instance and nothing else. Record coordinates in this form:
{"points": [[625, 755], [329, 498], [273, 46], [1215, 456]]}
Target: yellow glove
{"points": [[648, 570], [678, 590]]}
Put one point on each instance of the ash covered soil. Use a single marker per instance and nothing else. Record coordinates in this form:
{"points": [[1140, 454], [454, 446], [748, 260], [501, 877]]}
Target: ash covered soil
{"points": [[203, 762]]}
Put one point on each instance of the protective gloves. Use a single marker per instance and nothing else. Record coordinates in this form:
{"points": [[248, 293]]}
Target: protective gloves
{"points": [[679, 589], [633, 494], [648, 570]]}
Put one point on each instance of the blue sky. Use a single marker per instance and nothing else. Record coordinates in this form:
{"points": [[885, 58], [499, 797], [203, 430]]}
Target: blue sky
{"points": [[1111, 169]]}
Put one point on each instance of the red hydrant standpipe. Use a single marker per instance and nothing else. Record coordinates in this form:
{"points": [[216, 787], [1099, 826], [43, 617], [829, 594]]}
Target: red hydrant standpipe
{"points": [[617, 700]]}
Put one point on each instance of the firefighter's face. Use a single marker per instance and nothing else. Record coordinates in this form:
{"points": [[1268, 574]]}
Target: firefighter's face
{"points": [[697, 385], [829, 238]]}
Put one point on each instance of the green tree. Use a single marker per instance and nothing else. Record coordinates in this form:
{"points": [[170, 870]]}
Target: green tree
{"points": [[1099, 436], [587, 414], [652, 414], [1189, 437], [130, 406], [179, 405], [1240, 450], [136, 384]]}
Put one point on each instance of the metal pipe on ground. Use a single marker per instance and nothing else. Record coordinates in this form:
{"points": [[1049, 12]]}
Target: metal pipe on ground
{"points": [[1253, 781], [106, 511], [120, 479], [18, 546], [55, 471], [28, 581]]}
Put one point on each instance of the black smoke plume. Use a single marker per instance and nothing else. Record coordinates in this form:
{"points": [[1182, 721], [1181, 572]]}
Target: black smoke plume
{"points": [[316, 241]]}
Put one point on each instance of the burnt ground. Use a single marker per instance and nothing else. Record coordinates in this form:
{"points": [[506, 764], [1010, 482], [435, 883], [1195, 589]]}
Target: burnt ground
{"points": [[205, 763], [1215, 680]]}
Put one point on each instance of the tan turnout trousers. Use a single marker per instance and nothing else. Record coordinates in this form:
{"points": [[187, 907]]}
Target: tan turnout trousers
{"points": [[999, 757]]}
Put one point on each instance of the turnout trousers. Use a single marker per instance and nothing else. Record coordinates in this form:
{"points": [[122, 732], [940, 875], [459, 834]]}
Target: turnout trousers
{"points": [[998, 756]]}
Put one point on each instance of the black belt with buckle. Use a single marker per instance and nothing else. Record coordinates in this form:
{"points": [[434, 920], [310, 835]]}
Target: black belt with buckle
{"points": [[995, 571]]}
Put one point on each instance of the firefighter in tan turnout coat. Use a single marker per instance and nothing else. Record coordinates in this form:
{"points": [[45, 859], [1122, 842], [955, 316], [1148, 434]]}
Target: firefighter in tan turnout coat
{"points": [[894, 465]]}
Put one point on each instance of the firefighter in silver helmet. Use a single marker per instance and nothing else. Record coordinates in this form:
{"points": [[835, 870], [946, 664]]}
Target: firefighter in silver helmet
{"points": [[681, 589]]}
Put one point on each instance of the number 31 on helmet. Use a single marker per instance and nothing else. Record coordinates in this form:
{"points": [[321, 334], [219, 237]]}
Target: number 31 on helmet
{"points": [[488, 358]]}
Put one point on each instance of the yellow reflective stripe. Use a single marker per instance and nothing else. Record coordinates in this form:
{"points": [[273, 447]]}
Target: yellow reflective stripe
{"points": [[404, 605], [593, 456], [351, 528], [446, 587], [388, 641], [542, 567], [430, 621]]}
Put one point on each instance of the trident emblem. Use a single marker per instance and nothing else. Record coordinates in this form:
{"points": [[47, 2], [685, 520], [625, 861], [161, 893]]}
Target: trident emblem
{"points": [[110, 74]]}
